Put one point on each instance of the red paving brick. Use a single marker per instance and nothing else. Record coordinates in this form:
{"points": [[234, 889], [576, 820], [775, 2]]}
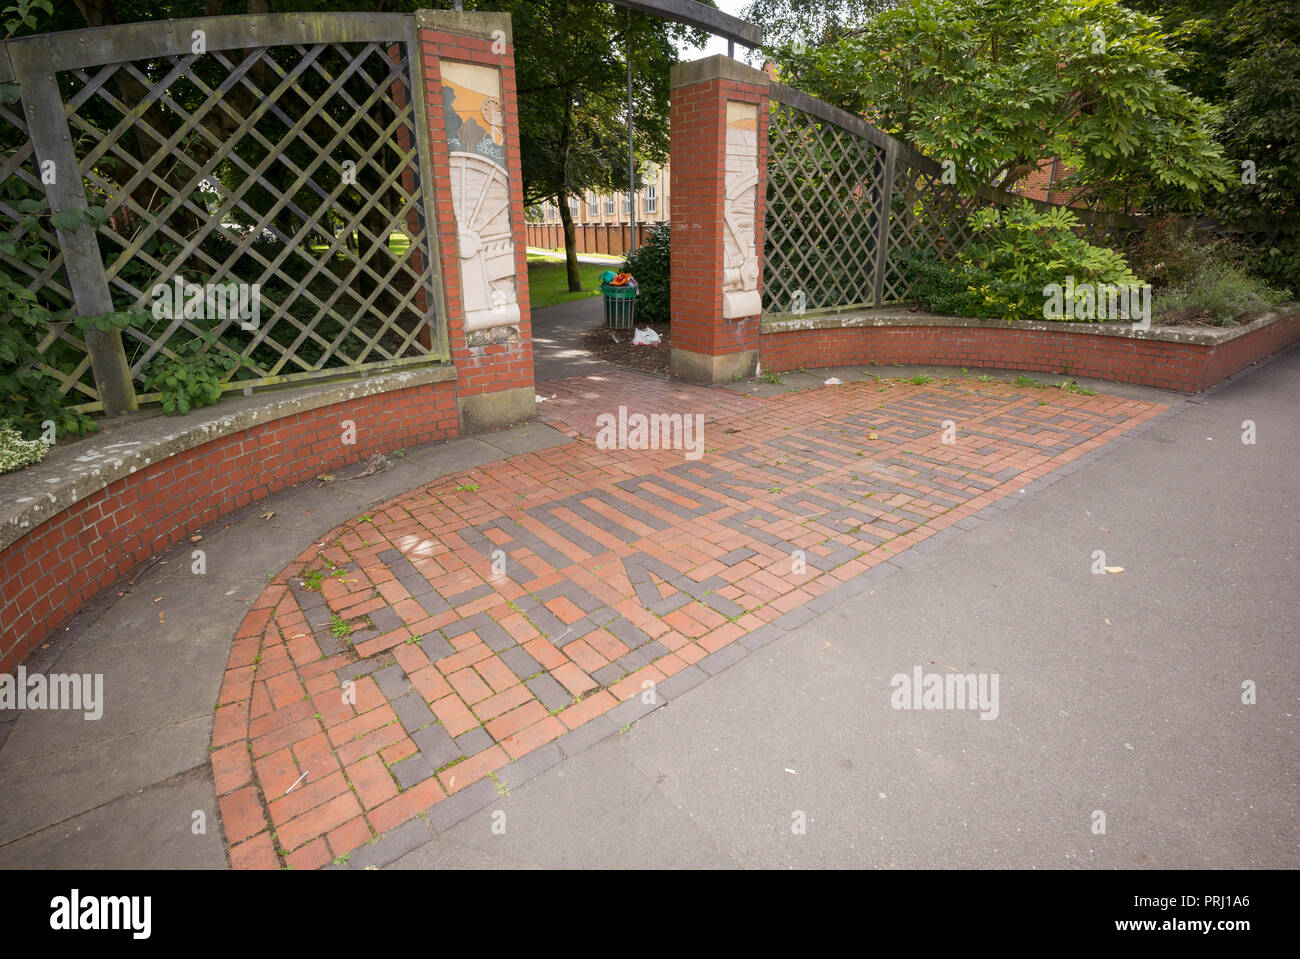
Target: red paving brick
{"points": [[773, 470]]}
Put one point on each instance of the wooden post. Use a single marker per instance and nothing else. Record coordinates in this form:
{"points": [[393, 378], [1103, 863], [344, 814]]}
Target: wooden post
{"points": [[52, 141]]}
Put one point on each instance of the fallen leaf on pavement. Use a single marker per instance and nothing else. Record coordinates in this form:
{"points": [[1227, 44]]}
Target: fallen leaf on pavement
{"points": [[1114, 569]]}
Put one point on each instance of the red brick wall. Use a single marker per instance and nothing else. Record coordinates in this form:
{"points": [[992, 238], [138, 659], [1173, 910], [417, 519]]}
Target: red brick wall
{"points": [[482, 369], [698, 122], [1188, 368], [47, 575], [610, 238]]}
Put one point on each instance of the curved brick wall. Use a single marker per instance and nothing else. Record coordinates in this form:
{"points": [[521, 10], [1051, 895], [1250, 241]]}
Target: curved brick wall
{"points": [[1186, 367], [49, 573]]}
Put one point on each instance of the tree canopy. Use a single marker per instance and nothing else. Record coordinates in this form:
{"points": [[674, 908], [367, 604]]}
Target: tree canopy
{"points": [[996, 86]]}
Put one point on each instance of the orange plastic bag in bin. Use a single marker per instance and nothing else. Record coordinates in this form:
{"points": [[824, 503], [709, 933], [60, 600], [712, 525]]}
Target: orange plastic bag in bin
{"points": [[621, 279]]}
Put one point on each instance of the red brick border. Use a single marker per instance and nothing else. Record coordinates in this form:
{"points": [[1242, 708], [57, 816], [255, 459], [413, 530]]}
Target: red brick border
{"points": [[1185, 367]]}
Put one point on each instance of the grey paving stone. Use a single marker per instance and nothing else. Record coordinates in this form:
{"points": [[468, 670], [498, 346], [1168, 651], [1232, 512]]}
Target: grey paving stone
{"points": [[721, 604], [759, 637], [493, 635], [386, 620], [530, 766], [681, 682], [736, 556], [609, 674], [827, 600], [665, 606], [475, 741], [412, 710], [393, 682], [642, 656], [459, 806], [548, 691], [728, 655], [412, 770], [588, 734], [970, 522], [602, 615], [567, 634], [881, 571], [631, 635], [794, 618], [357, 670], [521, 662], [436, 745], [392, 845], [436, 647], [476, 592], [630, 710], [430, 599]]}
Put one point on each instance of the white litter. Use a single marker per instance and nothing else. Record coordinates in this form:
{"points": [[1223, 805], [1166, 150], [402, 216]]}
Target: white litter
{"points": [[543, 399], [834, 381], [646, 337]]}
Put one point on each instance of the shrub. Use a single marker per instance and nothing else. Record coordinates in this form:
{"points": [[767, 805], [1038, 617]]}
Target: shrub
{"points": [[1170, 251], [1016, 253], [1217, 294], [16, 452], [650, 265], [193, 377]]}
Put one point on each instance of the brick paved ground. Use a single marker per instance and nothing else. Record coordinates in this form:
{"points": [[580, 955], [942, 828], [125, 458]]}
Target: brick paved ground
{"points": [[407, 664]]}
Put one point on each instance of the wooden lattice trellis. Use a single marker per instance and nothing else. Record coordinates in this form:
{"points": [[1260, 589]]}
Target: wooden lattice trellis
{"points": [[287, 154], [846, 201]]}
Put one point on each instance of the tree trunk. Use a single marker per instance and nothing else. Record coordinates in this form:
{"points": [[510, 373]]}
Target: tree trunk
{"points": [[562, 198]]}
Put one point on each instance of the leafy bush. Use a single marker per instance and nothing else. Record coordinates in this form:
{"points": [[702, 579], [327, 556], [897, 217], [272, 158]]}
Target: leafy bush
{"points": [[1217, 294], [16, 452], [1016, 253], [192, 378], [651, 265], [1170, 251]]}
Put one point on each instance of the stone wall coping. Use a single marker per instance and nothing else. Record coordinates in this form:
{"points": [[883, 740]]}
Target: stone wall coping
{"points": [[76, 468], [467, 23], [716, 67], [896, 317]]}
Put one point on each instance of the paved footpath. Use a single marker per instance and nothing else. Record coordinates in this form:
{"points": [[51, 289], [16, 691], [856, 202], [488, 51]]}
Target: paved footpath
{"points": [[446, 663], [458, 640]]}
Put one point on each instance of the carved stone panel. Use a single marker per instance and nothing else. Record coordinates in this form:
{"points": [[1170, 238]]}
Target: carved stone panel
{"points": [[480, 192], [740, 296]]}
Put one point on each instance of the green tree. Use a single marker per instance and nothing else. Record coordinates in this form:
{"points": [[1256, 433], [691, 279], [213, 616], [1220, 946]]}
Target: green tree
{"points": [[571, 72], [1244, 56], [996, 86], [815, 23]]}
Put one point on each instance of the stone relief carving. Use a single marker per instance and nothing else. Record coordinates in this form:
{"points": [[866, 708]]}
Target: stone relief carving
{"points": [[480, 192], [740, 296]]}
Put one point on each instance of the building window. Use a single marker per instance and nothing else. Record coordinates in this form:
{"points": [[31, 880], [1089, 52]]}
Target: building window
{"points": [[609, 205], [593, 205], [573, 207], [627, 203], [651, 198]]}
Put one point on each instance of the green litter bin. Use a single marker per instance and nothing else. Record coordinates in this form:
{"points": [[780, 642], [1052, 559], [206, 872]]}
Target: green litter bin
{"points": [[620, 303]]}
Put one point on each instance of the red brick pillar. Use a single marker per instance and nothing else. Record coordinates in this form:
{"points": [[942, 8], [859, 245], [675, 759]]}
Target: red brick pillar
{"points": [[468, 72], [719, 116]]}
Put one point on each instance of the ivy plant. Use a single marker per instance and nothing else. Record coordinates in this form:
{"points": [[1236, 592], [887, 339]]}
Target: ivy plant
{"points": [[192, 378]]}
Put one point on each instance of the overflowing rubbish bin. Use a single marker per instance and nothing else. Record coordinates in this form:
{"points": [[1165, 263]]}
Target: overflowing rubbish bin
{"points": [[620, 292]]}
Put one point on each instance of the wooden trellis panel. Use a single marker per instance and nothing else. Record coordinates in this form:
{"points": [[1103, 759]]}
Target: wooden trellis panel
{"points": [[846, 202], [285, 153]]}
